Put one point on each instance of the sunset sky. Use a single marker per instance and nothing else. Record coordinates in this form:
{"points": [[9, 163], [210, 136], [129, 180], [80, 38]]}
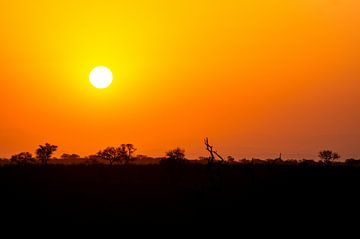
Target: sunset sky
{"points": [[257, 77]]}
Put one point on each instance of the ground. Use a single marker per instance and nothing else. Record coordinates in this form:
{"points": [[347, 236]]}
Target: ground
{"points": [[179, 194]]}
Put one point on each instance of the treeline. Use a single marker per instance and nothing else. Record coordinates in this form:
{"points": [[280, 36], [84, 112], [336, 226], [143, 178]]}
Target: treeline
{"points": [[124, 154]]}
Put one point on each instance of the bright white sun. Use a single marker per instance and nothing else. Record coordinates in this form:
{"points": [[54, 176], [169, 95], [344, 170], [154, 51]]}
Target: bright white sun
{"points": [[101, 77]]}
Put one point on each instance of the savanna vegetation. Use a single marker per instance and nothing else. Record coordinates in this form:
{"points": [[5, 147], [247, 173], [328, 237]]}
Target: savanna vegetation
{"points": [[117, 187]]}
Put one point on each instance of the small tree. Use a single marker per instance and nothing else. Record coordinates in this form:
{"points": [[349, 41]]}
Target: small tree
{"points": [[129, 149], [22, 158], [44, 152], [328, 156], [174, 157], [176, 154]]}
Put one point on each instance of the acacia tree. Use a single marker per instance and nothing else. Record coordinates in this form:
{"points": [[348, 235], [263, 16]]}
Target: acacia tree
{"points": [[44, 152], [112, 154], [22, 158], [328, 156]]}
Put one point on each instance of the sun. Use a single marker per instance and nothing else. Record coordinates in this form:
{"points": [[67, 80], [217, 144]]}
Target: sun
{"points": [[101, 77]]}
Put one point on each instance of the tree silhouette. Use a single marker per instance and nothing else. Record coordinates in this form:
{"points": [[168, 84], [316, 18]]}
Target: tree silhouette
{"points": [[44, 152], [129, 149], [112, 154], [328, 156], [174, 157], [211, 150], [176, 154], [22, 158]]}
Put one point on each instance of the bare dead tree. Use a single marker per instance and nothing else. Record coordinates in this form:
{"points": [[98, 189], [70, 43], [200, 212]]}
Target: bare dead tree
{"points": [[211, 150], [215, 174], [219, 156]]}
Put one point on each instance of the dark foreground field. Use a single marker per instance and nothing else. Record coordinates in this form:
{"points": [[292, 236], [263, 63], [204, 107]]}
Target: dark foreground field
{"points": [[155, 194]]}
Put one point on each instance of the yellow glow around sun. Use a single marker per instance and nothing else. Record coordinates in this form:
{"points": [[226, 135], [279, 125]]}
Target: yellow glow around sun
{"points": [[101, 77]]}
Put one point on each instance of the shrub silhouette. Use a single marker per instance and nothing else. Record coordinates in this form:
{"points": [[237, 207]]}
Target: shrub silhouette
{"points": [[22, 158], [92, 160], [352, 162], [70, 156], [328, 156], [44, 152], [230, 159]]}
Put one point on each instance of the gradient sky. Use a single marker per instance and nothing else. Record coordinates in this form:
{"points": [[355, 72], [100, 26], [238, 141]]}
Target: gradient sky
{"points": [[256, 77]]}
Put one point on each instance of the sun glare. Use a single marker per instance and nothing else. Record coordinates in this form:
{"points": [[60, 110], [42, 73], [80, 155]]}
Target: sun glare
{"points": [[101, 77]]}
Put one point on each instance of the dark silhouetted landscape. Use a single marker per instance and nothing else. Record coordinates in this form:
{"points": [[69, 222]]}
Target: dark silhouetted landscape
{"points": [[172, 190]]}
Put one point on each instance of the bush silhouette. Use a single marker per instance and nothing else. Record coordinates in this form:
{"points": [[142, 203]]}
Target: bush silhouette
{"points": [[230, 159], [22, 158], [70, 156]]}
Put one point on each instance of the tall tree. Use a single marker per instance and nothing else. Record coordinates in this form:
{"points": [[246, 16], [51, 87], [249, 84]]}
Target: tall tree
{"points": [[44, 152]]}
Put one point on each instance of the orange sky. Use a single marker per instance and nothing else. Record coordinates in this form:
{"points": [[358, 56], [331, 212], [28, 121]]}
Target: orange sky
{"points": [[257, 77]]}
